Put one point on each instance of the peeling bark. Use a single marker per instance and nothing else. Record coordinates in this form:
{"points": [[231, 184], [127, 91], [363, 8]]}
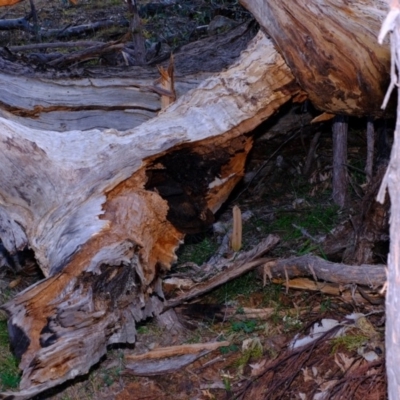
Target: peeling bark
{"points": [[105, 210]]}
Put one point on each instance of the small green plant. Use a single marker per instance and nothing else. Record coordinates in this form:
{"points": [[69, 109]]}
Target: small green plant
{"points": [[271, 295], [253, 351], [326, 304], [228, 349], [291, 323], [227, 383], [142, 329], [248, 326], [111, 375], [9, 372]]}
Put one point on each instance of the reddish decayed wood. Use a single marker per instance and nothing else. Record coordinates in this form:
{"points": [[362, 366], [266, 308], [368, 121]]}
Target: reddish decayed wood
{"points": [[9, 2]]}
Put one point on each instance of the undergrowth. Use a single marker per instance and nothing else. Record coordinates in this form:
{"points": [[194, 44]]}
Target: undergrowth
{"points": [[9, 372]]}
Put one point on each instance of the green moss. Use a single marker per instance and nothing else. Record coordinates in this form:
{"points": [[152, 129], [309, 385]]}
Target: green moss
{"points": [[348, 342]]}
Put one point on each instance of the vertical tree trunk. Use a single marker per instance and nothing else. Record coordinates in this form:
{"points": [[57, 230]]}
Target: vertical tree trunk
{"points": [[370, 149], [339, 181], [392, 339], [137, 34], [392, 182]]}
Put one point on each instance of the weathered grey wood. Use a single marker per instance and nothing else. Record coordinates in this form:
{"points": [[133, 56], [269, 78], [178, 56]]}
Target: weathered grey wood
{"points": [[391, 181], [232, 269], [319, 269], [117, 98], [89, 103], [94, 207]]}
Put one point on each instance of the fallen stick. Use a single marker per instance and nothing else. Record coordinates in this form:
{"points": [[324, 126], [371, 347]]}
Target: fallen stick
{"points": [[55, 45], [168, 359], [373, 276], [245, 262], [173, 351]]}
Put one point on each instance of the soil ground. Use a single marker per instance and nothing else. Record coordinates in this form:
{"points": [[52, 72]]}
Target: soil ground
{"points": [[276, 197]]}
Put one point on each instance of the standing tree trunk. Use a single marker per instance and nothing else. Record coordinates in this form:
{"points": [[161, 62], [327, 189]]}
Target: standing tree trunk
{"points": [[369, 165], [136, 32], [339, 181], [392, 182]]}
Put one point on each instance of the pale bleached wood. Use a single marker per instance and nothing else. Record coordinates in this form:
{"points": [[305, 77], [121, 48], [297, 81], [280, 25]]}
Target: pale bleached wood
{"points": [[117, 98], [169, 359], [83, 104], [331, 47], [164, 352], [391, 183], [100, 229]]}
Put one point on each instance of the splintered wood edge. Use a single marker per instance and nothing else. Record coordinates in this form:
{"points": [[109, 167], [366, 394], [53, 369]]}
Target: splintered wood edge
{"points": [[235, 113]]}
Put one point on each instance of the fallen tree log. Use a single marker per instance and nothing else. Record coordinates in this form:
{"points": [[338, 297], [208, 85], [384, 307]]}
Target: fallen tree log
{"points": [[104, 211], [328, 45], [108, 98]]}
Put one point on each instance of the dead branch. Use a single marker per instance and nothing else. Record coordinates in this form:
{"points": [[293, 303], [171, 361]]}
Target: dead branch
{"points": [[17, 24], [169, 359], [86, 54], [54, 45], [164, 352], [245, 262], [82, 29], [23, 24], [373, 276]]}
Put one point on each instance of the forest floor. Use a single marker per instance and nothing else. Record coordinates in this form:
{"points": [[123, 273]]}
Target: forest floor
{"points": [[261, 320]]}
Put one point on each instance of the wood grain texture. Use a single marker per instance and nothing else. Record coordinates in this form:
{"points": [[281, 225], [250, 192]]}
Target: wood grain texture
{"points": [[108, 98], [93, 207], [83, 104], [331, 47]]}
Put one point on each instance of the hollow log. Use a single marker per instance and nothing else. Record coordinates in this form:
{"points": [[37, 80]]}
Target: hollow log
{"points": [[104, 211]]}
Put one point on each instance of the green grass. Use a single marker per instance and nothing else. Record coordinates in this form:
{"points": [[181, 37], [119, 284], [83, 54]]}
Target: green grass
{"points": [[245, 285], [9, 372], [198, 253], [271, 295], [315, 220]]}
